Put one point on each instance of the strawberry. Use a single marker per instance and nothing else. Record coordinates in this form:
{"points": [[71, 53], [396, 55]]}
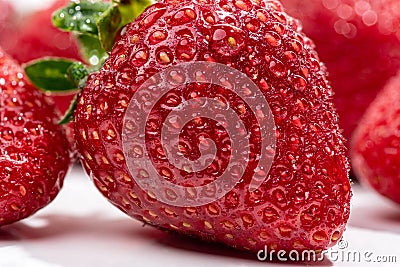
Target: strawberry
{"points": [[6, 18], [304, 201], [34, 156], [26, 43], [359, 43], [287, 188], [375, 144]]}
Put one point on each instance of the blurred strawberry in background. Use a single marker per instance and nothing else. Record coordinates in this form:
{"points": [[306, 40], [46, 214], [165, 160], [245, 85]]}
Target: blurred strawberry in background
{"points": [[376, 143], [7, 19], [359, 42], [34, 37]]}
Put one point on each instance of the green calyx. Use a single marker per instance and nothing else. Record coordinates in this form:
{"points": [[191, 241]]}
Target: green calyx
{"points": [[95, 25], [80, 17], [121, 13], [101, 20], [51, 74], [77, 74]]}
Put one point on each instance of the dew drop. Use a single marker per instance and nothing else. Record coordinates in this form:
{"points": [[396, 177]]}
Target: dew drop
{"points": [[277, 68], [270, 214], [7, 134], [299, 83], [273, 38], [158, 36], [279, 196], [140, 58], [245, 5], [151, 18], [252, 25], [227, 40], [320, 236], [182, 16]]}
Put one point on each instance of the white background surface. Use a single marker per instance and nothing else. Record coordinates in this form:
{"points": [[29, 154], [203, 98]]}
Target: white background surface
{"points": [[25, 6], [80, 228]]}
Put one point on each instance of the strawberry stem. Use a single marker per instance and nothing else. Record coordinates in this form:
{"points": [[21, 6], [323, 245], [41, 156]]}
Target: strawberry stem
{"points": [[77, 73]]}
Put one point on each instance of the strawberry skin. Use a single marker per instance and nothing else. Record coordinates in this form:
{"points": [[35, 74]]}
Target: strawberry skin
{"points": [[304, 202], [375, 146], [359, 43], [34, 155]]}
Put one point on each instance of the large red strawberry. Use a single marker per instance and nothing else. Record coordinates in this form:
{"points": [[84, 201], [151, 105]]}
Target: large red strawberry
{"points": [[34, 155], [376, 143], [303, 198], [359, 43], [36, 37]]}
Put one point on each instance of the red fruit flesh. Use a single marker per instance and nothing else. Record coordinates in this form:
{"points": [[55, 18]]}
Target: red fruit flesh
{"points": [[303, 203], [359, 43], [34, 155], [376, 144]]}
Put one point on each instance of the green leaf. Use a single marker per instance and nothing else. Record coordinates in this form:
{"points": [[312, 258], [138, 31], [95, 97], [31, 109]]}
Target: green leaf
{"points": [[69, 115], [80, 17], [121, 13], [50, 74], [108, 26], [91, 50], [98, 19]]}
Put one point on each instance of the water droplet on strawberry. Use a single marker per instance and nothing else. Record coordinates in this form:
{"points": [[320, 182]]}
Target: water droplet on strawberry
{"points": [[164, 56], [139, 58], [314, 64], [320, 236], [299, 194], [273, 38], [284, 173], [297, 46], [182, 16], [279, 197], [152, 15], [252, 25], [277, 68], [125, 76], [7, 134], [299, 83], [270, 214], [186, 49], [227, 40], [210, 17], [307, 169], [331, 216], [157, 36], [245, 5]]}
